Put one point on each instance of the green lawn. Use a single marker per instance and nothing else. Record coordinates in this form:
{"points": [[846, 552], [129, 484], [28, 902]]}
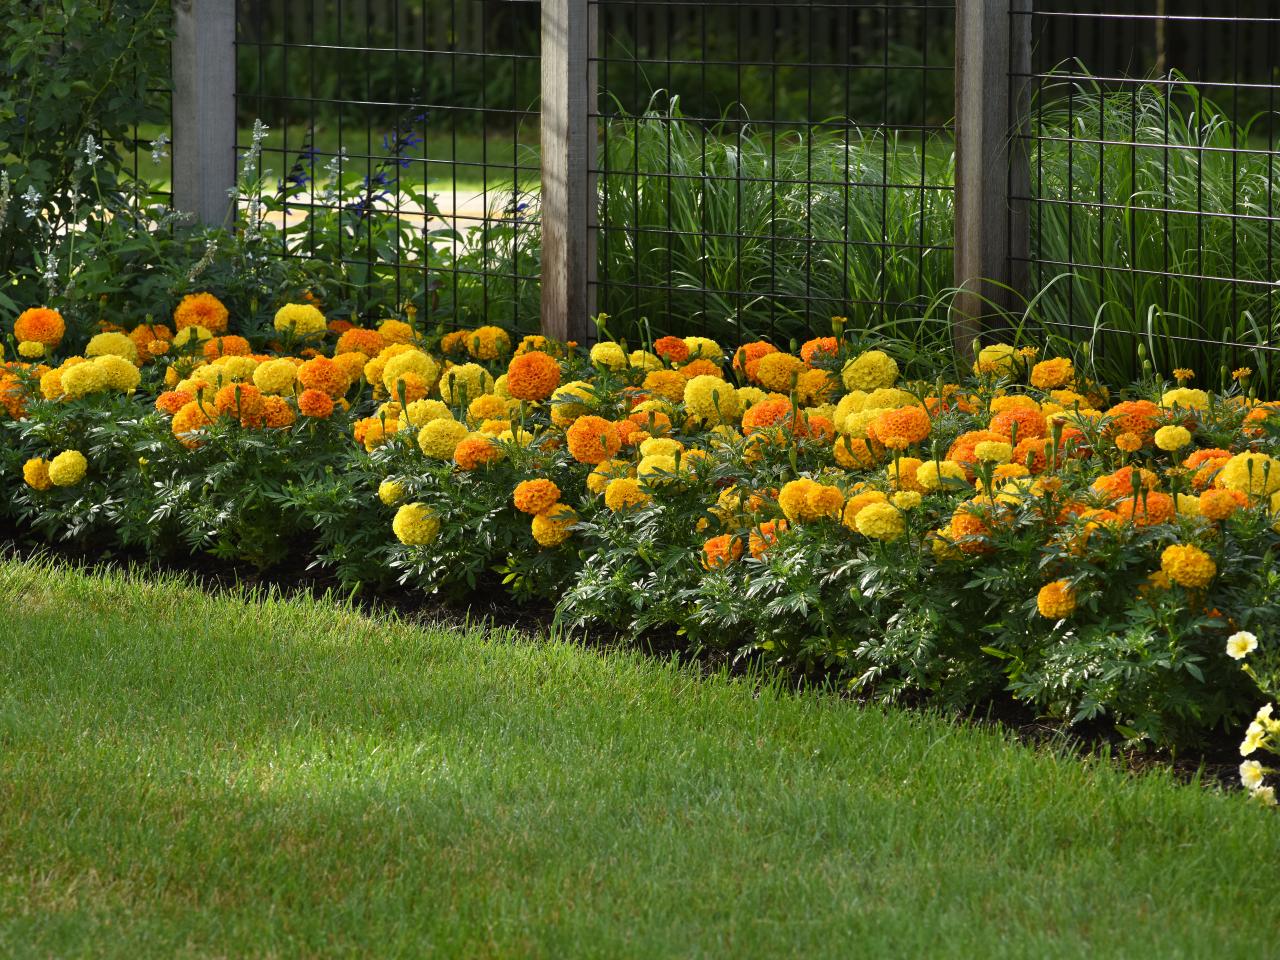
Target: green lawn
{"points": [[186, 775]]}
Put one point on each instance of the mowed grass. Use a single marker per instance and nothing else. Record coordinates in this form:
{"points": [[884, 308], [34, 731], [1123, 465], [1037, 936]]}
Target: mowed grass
{"points": [[192, 775]]}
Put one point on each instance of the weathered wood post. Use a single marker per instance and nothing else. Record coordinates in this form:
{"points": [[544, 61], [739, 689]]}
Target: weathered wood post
{"points": [[992, 240], [568, 203], [204, 108]]}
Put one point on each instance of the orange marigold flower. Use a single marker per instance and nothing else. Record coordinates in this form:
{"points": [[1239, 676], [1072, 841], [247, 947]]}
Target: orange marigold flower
{"points": [[765, 536], [315, 403], [667, 384], [276, 412], [533, 376], [1146, 510], [654, 422], [535, 496], [201, 310], [1056, 600], [593, 439], [671, 349], [191, 417], [701, 368], [971, 524], [171, 401], [1128, 442], [774, 412], [1139, 417], [899, 429], [242, 400], [323, 374], [1208, 472], [361, 340], [1218, 505], [721, 551], [1032, 453], [1020, 422], [1120, 483], [819, 350], [962, 449], [338, 326], [473, 452], [228, 346], [749, 355], [40, 325]]}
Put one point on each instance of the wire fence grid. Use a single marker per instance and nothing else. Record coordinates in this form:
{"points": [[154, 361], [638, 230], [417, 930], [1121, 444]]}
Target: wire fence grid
{"points": [[383, 114], [761, 166], [764, 166], [1153, 181]]}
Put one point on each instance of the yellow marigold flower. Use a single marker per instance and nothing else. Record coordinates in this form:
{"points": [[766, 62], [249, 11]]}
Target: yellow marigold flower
{"points": [[778, 371], [907, 499], [569, 401], [993, 451], [31, 349], [598, 479], [415, 524], [488, 343], [112, 344], [554, 527], [421, 412], [658, 445], [439, 438], [1188, 565], [1056, 600], [711, 400], [35, 473], [391, 492], [410, 362], [487, 406], [623, 493], [276, 376], [300, 319], [1053, 374], [535, 496], [881, 521], [465, 382], [396, 331], [702, 348], [933, 475], [1185, 397], [187, 334], [67, 468], [902, 473], [1243, 373], [644, 360], [869, 371], [1172, 438], [998, 359], [1182, 374], [1253, 474], [609, 355]]}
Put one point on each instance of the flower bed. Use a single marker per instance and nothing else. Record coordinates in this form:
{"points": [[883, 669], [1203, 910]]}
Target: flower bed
{"points": [[1019, 528]]}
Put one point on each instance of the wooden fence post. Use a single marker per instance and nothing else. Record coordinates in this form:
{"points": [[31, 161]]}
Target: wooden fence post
{"points": [[992, 240], [568, 205], [204, 108]]}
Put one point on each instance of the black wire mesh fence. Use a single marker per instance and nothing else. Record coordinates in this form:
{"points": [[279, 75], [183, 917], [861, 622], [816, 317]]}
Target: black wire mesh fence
{"points": [[763, 166], [400, 148], [1153, 210]]}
